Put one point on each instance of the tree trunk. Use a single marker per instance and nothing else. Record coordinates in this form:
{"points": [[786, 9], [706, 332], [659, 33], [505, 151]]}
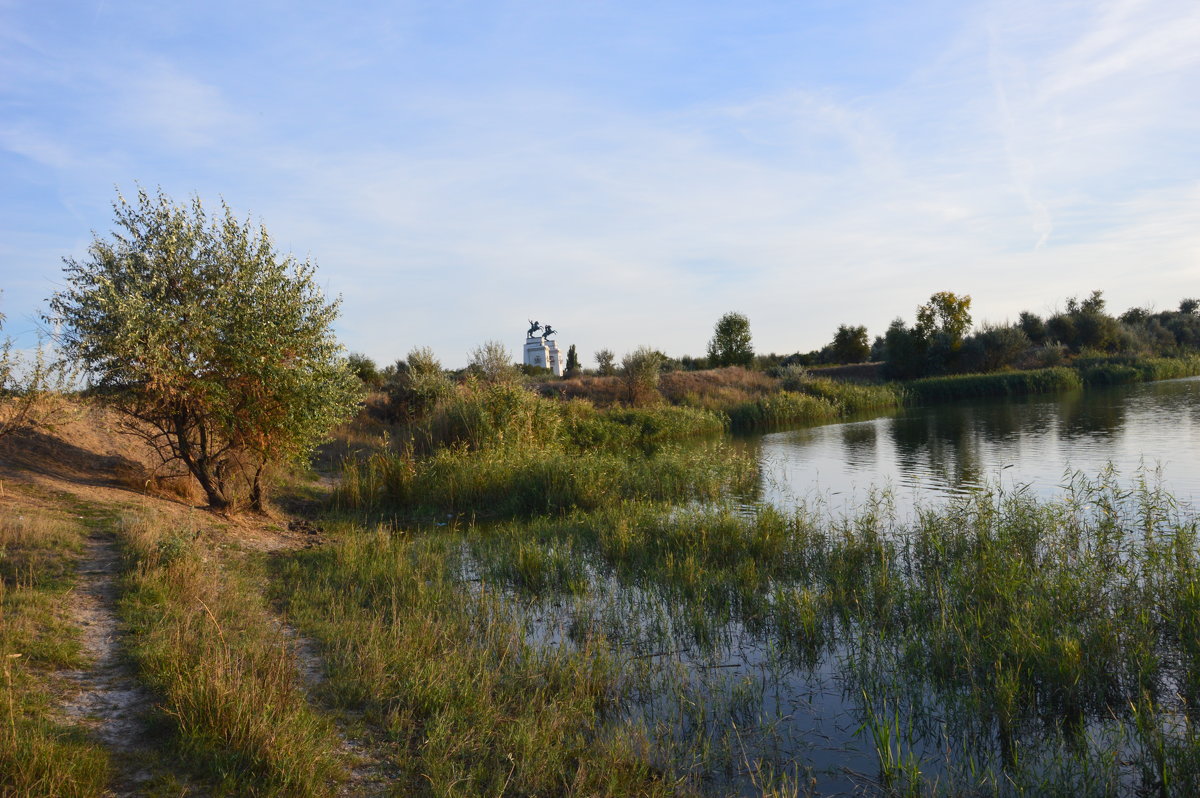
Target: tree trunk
{"points": [[198, 463], [258, 490]]}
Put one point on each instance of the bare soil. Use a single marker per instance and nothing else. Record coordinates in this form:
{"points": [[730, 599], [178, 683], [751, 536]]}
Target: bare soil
{"points": [[107, 697]]}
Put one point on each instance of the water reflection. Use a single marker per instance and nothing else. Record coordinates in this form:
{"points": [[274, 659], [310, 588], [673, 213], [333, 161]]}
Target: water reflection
{"points": [[926, 454]]}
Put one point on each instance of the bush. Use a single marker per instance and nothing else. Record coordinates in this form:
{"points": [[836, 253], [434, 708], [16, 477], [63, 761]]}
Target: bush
{"points": [[640, 369]]}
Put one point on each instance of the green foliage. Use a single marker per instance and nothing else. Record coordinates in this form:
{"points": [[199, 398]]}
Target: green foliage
{"points": [[781, 409], [730, 344], [418, 385], [42, 751], [573, 369], [850, 398], [469, 704], [1033, 326], [1014, 383], [524, 481], [606, 363], [28, 387], [202, 637], [492, 362], [995, 347], [365, 369], [904, 351], [945, 317], [221, 350], [850, 345], [640, 370]]}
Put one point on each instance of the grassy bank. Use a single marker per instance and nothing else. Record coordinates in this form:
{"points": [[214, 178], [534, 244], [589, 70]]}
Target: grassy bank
{"points": [[447, 672], [1082, 372], [529, 481], [203, 639], [41, 753], [814, 400]]}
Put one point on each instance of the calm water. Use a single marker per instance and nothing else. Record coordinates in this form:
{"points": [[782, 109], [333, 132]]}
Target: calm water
{"points": [[749, 698], [925, 454]]}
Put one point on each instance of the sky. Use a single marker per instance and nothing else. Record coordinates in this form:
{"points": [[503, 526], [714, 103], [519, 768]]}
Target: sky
{"points": [[626, 171]]}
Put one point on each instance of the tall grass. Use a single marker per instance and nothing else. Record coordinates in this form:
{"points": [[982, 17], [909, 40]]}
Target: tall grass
{"points": [[1095, 371], [40, 754], [1126, 370], [472, 706], [201, 637], [1009, 383], [781, 409], [1059, 640], [523, 482]]}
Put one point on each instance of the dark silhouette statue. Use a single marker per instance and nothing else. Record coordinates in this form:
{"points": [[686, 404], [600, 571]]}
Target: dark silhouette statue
{"points": [[549, 331], [533, 327]]}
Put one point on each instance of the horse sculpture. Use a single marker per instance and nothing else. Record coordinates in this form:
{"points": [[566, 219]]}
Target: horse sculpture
{"points": [[533, 327]]}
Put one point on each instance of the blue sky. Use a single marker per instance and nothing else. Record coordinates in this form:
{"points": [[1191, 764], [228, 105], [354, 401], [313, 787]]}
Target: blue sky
{"points": [[626, 171]]}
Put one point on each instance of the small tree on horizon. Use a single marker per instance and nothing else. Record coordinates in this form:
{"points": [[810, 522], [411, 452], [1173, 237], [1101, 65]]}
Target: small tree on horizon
{"points": [[850, 345], [492, 361], [572, 369], [730, 344], [219, 352], [640, 370], [606, 363]]}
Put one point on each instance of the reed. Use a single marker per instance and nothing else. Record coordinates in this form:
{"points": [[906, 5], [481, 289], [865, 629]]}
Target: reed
{"points": [[1009, 383]]}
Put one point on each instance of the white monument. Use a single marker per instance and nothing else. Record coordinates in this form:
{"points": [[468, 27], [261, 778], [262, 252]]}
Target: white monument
{"points": [[541, 351]]}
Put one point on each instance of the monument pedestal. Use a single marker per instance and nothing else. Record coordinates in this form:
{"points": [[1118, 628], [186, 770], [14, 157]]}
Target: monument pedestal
{"points": [[543, 353]]}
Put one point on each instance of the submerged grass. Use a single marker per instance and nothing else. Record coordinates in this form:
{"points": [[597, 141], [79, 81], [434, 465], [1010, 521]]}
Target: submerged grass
{"points": [[41, 754], [1054, 642], [201, 636], [447, 672]]}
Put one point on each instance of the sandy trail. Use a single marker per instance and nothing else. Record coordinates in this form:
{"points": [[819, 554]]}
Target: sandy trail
{"points": [[369, 773], [109, 699]]}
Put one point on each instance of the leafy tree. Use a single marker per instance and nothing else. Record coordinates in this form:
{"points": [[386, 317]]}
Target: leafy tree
{"points": [[365, 369], [606, 363], [995, 347], [492, 361], [28, 386], [904, 351], [219, 351], [1033, 327], [1085, 324], [572, 369], [730, 344], [1188, 307], [850, 345], [946, 317], [419, 384], [641, 369]]}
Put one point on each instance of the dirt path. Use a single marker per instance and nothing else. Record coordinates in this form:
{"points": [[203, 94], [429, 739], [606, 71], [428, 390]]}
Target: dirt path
{"points": [[109, 699], [369, 773]]}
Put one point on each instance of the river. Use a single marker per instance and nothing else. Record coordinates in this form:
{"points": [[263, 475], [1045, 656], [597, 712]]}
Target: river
{"points": [[925, 454]]}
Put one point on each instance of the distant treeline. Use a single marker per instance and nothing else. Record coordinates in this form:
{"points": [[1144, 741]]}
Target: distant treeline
{"points": [[941, 341]]}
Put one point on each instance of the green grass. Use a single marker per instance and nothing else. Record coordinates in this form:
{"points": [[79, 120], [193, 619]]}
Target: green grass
{"points": [[1019, 623], [1090, 371], [444, 669], [785, 408], [1004, 384], [202, 637], [41, 753], [524, 482]]}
